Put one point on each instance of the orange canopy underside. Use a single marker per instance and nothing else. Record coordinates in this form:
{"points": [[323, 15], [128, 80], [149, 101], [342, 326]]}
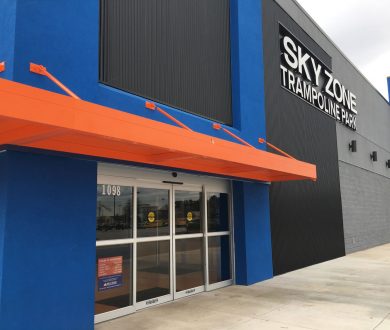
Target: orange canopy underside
{"points": [[33, 117]]}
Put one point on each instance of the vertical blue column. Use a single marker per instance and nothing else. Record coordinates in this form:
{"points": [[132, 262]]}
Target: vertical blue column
{"points": [[252, 233], [3, 203], [388, 86], [253, 250], [7, 36], [48, 259]]}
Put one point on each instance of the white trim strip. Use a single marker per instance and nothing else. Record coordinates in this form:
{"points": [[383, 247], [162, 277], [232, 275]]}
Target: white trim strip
{"points": [[153, 239], [115, 242], [219, 233], [184, 236]]}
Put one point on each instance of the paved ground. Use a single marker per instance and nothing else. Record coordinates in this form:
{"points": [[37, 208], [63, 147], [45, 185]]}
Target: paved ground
{"points": [[347, 293]]}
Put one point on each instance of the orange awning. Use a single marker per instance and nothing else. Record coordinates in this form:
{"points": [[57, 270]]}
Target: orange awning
{"points": [[32, 117]]}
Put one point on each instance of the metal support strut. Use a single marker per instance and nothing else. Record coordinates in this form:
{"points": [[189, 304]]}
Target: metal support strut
{"points": [[40, 69], [151, 106], [276, 148], [218, 127]]}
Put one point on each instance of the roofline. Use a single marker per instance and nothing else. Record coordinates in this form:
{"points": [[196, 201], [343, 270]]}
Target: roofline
{"points": [[334, 45]]}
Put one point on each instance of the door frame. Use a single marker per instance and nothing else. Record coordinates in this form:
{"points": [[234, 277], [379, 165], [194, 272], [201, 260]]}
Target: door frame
{"points": [[137, 177], [190, 291], [161, 299]]}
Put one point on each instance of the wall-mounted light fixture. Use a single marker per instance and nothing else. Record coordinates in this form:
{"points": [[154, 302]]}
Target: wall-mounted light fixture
{"points": [[388, 163], [374, 156], [353, 146]]}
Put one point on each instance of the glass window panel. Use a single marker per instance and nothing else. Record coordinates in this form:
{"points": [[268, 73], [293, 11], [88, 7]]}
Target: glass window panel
{"points": [[189, 263], [114, 273], [152, 212], [114, 212], [188, 216], [153, 270], [217, 212], [219, 259]]}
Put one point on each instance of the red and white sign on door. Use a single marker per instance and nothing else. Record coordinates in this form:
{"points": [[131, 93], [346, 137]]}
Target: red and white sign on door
{"points": [[110, 266]]}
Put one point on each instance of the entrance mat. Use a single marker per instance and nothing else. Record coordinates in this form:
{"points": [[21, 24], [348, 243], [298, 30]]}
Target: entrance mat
{"points": [[180, 269], [118, 301], [151, 293], [187, 269]]}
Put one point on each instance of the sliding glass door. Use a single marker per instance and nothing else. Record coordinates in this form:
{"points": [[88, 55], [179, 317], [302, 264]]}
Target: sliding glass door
{"points": [[156, 242]]}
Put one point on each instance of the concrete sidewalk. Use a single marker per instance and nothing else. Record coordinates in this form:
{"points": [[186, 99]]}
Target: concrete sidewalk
{"points": [[352, 292]]}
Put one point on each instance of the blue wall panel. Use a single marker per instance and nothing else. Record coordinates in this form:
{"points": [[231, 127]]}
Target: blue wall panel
{"points": [[3, 204], [49, 244], [247, 69], [7, 36], [251, 208], [63, 35], [252, 235], [388, 87]]}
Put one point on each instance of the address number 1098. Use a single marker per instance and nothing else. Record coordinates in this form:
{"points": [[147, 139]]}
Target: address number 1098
{"points": [[111, 190]]}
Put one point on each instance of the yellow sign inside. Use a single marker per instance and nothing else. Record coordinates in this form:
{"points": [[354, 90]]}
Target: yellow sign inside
{"points": [[189, 216], [151, 217]]}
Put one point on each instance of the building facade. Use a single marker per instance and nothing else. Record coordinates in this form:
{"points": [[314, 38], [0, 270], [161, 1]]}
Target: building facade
{"points": [[203, 144]]}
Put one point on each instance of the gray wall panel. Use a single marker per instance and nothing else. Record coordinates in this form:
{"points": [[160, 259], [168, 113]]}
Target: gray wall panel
{"points": [[366, 206], [365, 219]]}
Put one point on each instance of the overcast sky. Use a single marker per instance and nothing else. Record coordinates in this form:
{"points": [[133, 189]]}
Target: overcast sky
{"points": [[361, 29]]}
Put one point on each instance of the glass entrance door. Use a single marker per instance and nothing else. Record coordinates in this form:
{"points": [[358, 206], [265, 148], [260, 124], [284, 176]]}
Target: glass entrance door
{"points": [[154, 246], [188, 242], [157, 241]]}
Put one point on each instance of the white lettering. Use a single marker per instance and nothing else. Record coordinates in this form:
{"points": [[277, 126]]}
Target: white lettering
{"points": [[291, 81], [337, 90], [353, 103], [302, 63], [321, 102], [298, 88], [329, 83], [290, 58], [284, 71], [317, 71]]}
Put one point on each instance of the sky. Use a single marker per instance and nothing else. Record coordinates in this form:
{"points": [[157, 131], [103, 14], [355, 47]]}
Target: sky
{"points": [[361, 29]]}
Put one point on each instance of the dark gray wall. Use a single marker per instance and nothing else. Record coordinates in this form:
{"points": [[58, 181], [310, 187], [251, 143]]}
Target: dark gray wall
{"points": [[306, 217], [365, 185], [176, 52]]}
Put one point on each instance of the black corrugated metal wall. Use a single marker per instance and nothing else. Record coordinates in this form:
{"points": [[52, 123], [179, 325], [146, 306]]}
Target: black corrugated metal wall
{"points": [[306, 217], [176, 52]]}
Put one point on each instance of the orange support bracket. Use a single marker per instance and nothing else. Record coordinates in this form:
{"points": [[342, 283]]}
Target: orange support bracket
{"points": [[40, 69], [151, 106], [2, 66], [218, 127], [276, 148]]}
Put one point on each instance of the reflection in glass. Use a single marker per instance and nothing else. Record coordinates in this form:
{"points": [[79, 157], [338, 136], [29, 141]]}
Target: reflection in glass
{"points": [[152, 212], [217, 212], [114, 212], [114, 273], [219, 258], [188, 218], [153, 270], [189, 263]]}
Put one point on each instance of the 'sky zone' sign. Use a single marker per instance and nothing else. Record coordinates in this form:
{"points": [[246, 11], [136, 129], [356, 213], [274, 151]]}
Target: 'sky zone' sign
{"points": [[308, 78]]}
